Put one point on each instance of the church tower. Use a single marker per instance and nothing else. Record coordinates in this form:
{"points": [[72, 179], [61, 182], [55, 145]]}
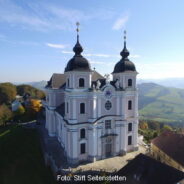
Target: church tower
{"points": [[124, 70], [125, 74], [78, 76]]}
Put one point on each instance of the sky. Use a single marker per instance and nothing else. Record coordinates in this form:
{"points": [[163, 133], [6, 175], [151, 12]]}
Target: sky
{"points": [[37, 36]]}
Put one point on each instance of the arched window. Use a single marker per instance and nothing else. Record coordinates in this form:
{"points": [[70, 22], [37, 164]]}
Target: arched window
{"points": [[129, 127], [81, 82], [82, 133], [129, 82], [82, 108], [129, 105]]}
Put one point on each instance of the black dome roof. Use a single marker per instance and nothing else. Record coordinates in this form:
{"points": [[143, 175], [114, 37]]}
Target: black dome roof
{"points": [[124, 64], [78, 62]]}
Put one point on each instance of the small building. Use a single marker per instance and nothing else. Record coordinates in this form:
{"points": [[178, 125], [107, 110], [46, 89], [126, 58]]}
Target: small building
{"points": [[146, 170], [15, 105], [169, 148]]}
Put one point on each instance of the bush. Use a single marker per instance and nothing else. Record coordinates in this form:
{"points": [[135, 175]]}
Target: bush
{"points": [[5, 114]]}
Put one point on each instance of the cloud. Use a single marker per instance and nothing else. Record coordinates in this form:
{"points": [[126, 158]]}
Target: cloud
{"points": [[47, 16], [57, 46], [101, 55], [97, 62], [158, 70], [90, 54], [97, 55], [67, 52], [134, 56], [120, 22], [102, 63]]}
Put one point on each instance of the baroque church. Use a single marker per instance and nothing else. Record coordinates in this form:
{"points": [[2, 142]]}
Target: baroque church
{"points": [[92, 116]]}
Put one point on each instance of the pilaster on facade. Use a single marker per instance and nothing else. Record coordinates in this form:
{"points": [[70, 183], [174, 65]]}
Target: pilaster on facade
{"points": [[118, 105], [124, 137], [99, 142], [95, 141], [135, 133], [99, 107], [94, 108]]}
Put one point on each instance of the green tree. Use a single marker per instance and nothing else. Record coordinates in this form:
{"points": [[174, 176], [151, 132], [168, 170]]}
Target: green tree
{"points": [[7, 93], [167, 128], [154, 125], [5, 114], [155, 134], [34, 93]]}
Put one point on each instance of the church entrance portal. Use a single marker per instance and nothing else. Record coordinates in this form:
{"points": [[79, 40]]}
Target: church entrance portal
{"points": [[108, 146], [108, 150]]}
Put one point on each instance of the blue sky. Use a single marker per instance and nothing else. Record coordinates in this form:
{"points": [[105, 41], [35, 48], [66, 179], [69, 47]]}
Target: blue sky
{"points": [[37, 36]]}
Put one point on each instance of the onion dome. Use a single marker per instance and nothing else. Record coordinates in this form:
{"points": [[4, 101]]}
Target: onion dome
{"points": [[78, 62], [124, 64]]}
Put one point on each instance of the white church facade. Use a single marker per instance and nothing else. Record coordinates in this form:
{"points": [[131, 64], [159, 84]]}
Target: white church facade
{"points": [[93, 117]]}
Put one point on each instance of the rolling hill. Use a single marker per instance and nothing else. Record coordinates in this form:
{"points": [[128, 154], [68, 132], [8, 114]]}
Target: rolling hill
{"points": [[161, 103], [156, 102]]}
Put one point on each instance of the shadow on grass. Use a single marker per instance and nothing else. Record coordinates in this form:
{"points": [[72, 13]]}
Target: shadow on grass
{"points": [[21, 160]]}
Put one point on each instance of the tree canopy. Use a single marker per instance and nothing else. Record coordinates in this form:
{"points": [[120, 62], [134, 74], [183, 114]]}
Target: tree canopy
{"points": [[7, 93], [34, 93], [5, 114]]}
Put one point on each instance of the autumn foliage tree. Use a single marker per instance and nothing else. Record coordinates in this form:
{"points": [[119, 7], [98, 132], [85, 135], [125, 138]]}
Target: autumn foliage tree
{"points": [[18, 114], [143, 125], [7, 93], [34, 106]]}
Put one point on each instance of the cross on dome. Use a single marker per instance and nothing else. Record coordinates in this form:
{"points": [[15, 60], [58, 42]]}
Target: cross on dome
{"points": [[124, 53], [77, 48]]}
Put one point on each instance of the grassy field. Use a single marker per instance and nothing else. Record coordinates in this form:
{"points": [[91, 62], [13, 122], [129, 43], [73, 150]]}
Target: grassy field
{"points": [[21, 161]]}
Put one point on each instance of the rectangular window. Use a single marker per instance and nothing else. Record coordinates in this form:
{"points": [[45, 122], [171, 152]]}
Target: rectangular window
{"points": [[107, 124], [68, 83], [81, 82], [129, 127], [83, 148], [129, 105], [129, 82], [67, 108], [129, 140], [82, 108]]}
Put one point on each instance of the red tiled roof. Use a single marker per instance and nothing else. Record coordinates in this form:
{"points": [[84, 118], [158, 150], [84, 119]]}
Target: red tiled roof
{"points": [[172, 144]]}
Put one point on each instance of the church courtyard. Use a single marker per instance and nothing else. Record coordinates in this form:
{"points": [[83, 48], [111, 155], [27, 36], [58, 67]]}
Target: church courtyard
{"points": [[111, 164]]}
